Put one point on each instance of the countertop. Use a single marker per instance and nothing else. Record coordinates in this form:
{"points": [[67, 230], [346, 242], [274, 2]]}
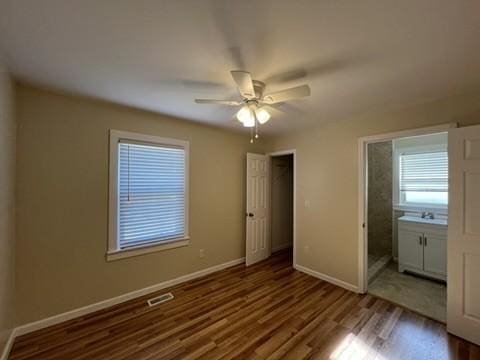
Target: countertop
{"points": [[417, 219]]}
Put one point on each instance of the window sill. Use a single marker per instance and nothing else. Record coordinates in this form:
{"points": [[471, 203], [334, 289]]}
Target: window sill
{"points": [[421, 208], [141, 250]]}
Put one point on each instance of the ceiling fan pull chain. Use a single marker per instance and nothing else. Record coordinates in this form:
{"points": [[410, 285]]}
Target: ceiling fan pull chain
{"points": [[251, 135]]}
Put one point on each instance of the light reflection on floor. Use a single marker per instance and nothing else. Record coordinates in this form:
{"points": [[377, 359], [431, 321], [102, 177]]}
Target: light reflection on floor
{"points": [[354, 348]]}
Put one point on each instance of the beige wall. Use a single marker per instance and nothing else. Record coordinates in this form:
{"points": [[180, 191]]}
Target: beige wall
{"points": [[327, 166], [282, 201], [7, 207], [62, 202], [62, 148]]}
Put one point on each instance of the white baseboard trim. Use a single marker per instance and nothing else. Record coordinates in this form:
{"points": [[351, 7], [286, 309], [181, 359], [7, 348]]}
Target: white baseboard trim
{"points": [[327, 278], [281, 247], [56, 319], [8, 344]]}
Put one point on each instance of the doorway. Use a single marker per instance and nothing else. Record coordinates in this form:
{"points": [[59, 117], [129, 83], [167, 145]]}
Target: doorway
{"points": [[406, 218], [281, 203], [259, 211]]}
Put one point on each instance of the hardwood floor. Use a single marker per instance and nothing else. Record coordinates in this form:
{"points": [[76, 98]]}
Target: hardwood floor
{"points": [[267, 311]]}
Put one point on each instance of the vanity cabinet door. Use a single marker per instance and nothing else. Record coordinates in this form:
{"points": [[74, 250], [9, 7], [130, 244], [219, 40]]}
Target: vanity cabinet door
{"points": [[410, 249], [435, 253]]}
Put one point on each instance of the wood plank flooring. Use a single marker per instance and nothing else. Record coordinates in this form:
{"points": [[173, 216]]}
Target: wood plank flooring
{"points": [[267, 311]]}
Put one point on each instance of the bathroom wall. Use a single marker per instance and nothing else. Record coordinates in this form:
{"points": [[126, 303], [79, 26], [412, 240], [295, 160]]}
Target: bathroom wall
{"points": [[423, 140], [380, 166], [282, 202]]}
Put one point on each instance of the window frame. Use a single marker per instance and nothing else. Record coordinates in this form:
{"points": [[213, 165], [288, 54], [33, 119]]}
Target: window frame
{"points": [[398, 204], [114, 251]]}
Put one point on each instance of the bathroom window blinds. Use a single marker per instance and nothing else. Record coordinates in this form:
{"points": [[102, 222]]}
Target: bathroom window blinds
{"points": [[424, 178], [151, 194]]}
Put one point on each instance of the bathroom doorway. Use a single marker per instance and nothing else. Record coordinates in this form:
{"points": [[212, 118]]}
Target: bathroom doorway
{"points": [[406, 210]]}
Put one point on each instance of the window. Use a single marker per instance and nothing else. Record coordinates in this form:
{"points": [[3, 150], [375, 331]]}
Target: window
{"points": [[148, 194], [423, 178]]}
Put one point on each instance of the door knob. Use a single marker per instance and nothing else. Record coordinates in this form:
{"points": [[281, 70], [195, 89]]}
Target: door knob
{"points": [[250, 214]]}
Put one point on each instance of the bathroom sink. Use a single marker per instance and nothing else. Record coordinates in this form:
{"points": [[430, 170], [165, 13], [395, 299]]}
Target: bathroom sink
{"points": [[417, 219]]}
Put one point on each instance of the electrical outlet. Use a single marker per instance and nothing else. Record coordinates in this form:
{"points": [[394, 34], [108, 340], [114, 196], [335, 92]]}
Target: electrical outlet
{"points": [[307, 203], [307, 248], [202, 253]]}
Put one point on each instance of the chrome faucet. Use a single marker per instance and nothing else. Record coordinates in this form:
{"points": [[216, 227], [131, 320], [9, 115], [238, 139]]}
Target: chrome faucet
{"points": [[427, 215]]}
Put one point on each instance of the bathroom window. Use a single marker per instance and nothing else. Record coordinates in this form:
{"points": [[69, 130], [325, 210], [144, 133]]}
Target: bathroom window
{"points": [[422, 178]]}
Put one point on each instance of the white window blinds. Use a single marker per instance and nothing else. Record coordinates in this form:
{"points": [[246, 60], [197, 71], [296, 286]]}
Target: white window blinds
{"points": [[424, 177], [151, 194]]}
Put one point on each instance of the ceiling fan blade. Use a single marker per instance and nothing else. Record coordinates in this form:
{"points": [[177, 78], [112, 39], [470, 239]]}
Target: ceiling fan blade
{"points": [[218, 102], [244, 83], [285, 95], [274, 111]]}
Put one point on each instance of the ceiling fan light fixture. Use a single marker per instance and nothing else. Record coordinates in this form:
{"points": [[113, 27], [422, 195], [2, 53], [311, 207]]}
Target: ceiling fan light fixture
{"points": [[250, 122], [262, 115], [246, 117], [251, 114]]}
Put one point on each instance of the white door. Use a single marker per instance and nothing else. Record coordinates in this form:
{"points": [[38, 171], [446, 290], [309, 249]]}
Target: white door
{"points": [[257, 239], [435, 253], [410, 249], [463, 273]]}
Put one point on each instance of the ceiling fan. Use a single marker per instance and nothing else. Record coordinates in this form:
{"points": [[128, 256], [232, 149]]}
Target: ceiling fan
{"points": [[253, 111]]}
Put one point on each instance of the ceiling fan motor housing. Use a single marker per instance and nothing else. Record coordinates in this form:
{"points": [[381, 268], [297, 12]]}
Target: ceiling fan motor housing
{"points": [[259, 88]]}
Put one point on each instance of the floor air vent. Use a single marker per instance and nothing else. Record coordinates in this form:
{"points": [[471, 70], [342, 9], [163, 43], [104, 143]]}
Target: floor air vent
{"points": [[160, 299]]}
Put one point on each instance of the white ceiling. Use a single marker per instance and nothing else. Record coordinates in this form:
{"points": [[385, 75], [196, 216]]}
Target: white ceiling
{"points": [[160, 55]]}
